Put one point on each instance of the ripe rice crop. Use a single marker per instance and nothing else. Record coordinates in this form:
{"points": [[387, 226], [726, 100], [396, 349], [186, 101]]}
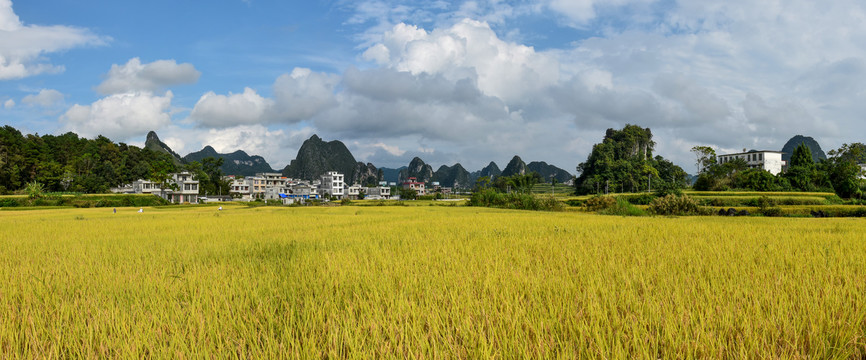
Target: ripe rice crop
{"points": [[760, 193], [429, 281]]}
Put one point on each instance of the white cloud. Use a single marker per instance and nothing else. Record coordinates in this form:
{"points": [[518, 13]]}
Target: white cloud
{"points": [[389, 103], [23, 47], [467, 50], [695, 73], [297, 96], [9, 104], [120, 116], [233, 109], [579, 11], [366, 150], [303, 94], [135, 76], [45, 98]]}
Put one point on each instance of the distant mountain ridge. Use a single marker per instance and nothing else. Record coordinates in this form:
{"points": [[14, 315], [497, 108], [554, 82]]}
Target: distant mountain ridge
{"points": [[236, 163], [316, 156], [547, 171], [457, 176]]}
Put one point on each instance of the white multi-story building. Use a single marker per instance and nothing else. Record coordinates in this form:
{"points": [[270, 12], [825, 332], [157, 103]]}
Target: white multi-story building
{"points": [[187, 188], [182, 188], [768, 160], [332, 184]]}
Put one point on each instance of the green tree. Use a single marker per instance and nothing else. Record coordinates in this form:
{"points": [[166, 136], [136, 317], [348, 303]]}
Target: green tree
{"points": [[407, 194], [624, 161], [519, 183], [802, 171], [844, 171], [34, 190], [705, 157], [161, 174], [755, 180], [482, 183]]}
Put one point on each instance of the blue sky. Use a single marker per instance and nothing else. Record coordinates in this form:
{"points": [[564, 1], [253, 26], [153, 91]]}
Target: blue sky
{"points": [[449, 81]]}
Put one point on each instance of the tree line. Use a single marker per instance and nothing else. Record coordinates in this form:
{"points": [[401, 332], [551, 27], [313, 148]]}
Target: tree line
{"points": [[839, 173], [69, 163]]}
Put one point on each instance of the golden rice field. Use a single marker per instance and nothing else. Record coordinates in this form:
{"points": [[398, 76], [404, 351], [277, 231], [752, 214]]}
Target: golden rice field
{"points": [[427, 282]]}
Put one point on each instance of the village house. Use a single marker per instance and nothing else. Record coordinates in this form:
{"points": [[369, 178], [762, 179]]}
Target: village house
{"points": [[378, 193], [182, 187], [413, 184], [186, 189], [332, 185], [354, 192], [767, 160]]}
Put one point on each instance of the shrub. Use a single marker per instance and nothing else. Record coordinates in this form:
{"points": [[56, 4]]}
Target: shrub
{"points": [[667, 188], [598, 203], [676, 205], [8, 203], [772, 211], [642, 199], [34, 190], [834, 200], [624, 208], [521, 201], [765, 202]]}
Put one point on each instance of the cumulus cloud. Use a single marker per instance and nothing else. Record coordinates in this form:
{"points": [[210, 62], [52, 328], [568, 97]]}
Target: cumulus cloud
{"points": [[303, 94], [297, 96], [45, 98], [467, 50], [23, 47], [233, 109], [8, 104], [120, 116], [387, 102], [697, 74], [135, 76]]}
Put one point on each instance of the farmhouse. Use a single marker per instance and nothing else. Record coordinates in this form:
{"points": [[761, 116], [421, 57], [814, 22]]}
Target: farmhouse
{"points": [[767, 160], [413, 184], [181, 188]]}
